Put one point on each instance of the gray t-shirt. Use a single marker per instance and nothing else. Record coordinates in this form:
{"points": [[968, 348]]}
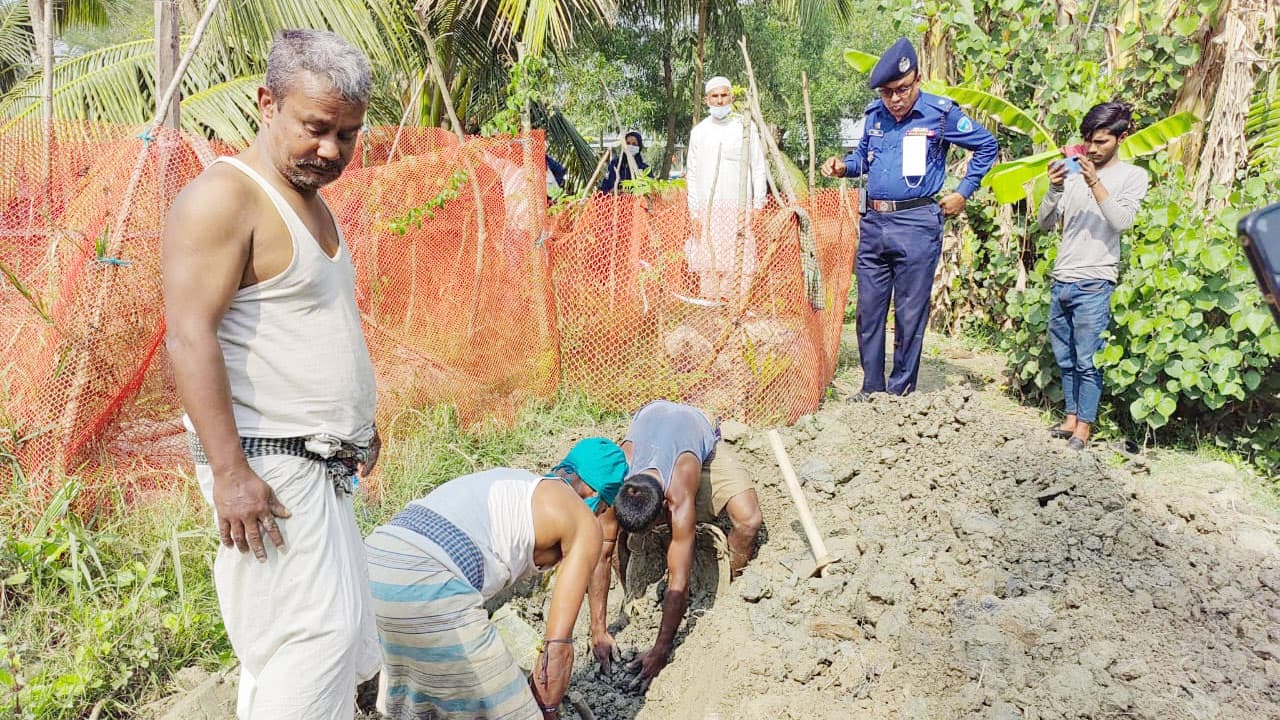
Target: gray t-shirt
{"points": [[662, 431], [1090, 247]]}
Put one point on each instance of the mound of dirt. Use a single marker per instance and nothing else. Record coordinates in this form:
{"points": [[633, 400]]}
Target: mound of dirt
{"points": [[987, 572]]}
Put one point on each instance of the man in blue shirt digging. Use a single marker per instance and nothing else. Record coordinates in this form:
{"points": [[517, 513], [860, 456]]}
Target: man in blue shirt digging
{"points": [[903, 154]]}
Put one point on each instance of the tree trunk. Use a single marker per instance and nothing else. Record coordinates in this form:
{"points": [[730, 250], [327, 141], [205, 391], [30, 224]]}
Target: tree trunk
{"points": [[699, 56], [166, 19], [669, 92], [1244, 28], [935, 60], [1199, 87], [41, 12], [42, 26]]}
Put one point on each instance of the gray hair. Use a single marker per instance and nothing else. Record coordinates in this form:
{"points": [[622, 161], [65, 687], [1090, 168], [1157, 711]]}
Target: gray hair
{"points": [[322, 53]]}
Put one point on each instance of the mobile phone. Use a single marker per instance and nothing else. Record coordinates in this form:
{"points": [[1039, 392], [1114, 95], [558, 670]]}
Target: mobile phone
{"points": [[1072, 164], [1260, 235]]}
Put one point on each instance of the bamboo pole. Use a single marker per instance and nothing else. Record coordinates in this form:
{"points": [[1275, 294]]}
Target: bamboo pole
{"points": [[482, 236], [809, 260], [617, 120], [808, 121], [774, 153], [116, 233], [404, 117]]}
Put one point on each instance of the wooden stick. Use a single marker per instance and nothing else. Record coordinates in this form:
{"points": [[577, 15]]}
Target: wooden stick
{"points": [[816, 545], [808, 121], [163, 109], [482, 236], [617, 120], [774, 153], [580, 705], [116, 236], [404, 117], [595, 174]]}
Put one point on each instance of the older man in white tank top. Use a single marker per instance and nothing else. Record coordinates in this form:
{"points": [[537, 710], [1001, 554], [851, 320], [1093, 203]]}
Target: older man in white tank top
{"points": [[274, 373]]}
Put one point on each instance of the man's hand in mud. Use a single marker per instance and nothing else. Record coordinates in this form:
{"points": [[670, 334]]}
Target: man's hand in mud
{"points": [[606, 652], [648, 665]]}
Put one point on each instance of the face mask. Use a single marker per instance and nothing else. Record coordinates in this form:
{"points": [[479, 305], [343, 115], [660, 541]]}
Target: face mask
{"points": [[720, 112], [633, 150]]}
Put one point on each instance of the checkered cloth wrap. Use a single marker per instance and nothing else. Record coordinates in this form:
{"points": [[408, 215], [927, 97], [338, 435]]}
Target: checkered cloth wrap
{"points": [[437, 528], [340, 468]]}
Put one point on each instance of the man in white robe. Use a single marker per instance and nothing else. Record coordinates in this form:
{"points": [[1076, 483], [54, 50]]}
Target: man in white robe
{"points": [[725, 173]]}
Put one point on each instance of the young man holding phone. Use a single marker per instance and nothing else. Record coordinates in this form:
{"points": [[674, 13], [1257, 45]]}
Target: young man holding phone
{"points": [[1095, 196]]}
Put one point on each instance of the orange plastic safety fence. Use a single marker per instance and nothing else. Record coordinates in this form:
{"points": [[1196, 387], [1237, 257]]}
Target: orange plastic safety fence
{"points": [[651, 304], [469, 292]]}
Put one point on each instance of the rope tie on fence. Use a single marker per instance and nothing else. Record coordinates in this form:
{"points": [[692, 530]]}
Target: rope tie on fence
{"points": [[808, 258]]}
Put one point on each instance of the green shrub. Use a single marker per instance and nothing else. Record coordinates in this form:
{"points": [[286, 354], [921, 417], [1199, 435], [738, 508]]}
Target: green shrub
{"points": [[1190, 339]]}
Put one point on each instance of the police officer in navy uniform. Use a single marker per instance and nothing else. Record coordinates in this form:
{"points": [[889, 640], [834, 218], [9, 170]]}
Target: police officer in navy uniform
{"points": [[903, 153]]}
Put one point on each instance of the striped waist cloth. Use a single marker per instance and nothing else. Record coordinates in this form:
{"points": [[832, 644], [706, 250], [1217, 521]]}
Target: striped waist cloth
{"points": [[340, 468], [459, 546]]}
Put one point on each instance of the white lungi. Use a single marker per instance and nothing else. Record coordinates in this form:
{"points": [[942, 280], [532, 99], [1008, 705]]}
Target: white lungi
{"points": [[301, 623]]}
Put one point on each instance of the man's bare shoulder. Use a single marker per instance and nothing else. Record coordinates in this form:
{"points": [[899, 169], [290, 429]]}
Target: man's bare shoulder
{"points": [[220, 199]]}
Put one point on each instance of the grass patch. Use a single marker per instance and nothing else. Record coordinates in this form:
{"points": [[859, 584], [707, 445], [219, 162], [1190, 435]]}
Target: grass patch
{"points": [[99, 610]]}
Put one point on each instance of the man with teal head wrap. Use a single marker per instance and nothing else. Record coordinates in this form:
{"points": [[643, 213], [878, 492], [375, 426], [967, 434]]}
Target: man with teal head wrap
{"points": [[600, 464], [434, 565]]}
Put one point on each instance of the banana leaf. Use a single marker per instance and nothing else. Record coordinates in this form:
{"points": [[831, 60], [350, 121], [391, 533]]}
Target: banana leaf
{"points": [[1157, 136], [987, 105], [862, 62], [1008, 180]]}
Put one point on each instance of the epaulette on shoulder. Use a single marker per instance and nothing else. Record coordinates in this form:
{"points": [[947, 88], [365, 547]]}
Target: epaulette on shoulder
{"points": [[944, 102], [871, 106]]}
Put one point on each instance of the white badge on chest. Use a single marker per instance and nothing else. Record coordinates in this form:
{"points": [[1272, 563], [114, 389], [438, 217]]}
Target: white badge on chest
{"points": [[915, 147]]}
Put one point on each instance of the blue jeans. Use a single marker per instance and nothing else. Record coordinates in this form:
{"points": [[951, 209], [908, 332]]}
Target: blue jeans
{"points": [[1078, 314]]}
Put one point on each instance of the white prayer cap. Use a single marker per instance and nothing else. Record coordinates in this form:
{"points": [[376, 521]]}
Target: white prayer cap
{"points": [[715, 82]]}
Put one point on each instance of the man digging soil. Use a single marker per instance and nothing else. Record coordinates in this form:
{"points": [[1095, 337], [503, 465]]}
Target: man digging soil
{"points": [[670, 449], [434, 565]]}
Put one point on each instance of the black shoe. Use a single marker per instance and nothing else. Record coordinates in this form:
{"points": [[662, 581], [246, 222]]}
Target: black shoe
{"points": [[1059, 433], [1076, 443], [859, 398]]}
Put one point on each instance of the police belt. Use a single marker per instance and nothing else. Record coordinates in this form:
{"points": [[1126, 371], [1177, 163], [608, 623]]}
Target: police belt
{"points": [[340, 467], [888, 206]]}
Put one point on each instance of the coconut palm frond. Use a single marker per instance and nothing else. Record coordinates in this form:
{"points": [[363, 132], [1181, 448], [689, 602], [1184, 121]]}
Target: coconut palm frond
{"points": [[104, 85], [16, 44], [85, 13], [243, 32], [815, 13], [567, 145], [539, 24], [227, 111]]}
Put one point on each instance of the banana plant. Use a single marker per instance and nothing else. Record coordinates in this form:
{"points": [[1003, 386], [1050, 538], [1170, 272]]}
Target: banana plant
{"points": [[1262, 127], [1008, 181]]}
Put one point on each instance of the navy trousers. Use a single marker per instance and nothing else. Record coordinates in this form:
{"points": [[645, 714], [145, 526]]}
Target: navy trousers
{"points": [[897, 255]]}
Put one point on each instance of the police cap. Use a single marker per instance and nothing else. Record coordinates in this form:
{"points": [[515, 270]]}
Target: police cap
{"points": [[895, 63]]}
